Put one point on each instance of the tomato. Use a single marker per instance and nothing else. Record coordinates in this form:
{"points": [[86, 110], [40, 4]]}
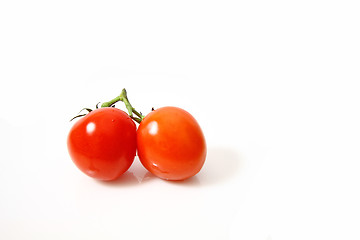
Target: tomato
{"points": [[171, 144], [103, 143]]}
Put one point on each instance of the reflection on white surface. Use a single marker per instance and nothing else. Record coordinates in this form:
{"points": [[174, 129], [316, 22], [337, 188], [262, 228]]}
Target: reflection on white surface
{"points": [[153, 128], [90, 128]]}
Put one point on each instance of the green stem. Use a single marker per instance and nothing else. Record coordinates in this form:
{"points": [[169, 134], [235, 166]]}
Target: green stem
{"points": [[123, 98]]}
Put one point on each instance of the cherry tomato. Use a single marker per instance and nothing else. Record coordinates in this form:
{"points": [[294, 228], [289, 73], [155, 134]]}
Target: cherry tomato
{"points": [[103, 143], [171, 144]]}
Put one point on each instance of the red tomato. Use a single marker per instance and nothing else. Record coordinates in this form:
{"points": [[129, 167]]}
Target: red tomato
{"points": [[103, 143], [171, 144]]}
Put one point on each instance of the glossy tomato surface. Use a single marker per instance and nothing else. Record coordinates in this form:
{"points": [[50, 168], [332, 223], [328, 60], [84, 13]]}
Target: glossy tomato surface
{"points": [[171, 144], [103, 143]]}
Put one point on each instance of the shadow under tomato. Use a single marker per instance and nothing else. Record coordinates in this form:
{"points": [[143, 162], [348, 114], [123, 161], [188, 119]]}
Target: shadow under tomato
{"points": [[190, 182], [221, 165], [127, 179]]}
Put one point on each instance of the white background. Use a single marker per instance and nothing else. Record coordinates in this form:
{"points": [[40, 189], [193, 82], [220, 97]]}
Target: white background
{"points": [[273, 84]]}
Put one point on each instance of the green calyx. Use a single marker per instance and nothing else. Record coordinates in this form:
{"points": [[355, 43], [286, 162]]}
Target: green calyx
{"points": [[123, 98]]}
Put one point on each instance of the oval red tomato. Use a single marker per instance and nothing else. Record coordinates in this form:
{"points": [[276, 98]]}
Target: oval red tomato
{"points": [[171, 144], [103, 143]]}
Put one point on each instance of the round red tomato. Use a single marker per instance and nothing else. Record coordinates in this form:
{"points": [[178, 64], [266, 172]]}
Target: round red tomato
{"points": [[171, 144], [103, 143]]}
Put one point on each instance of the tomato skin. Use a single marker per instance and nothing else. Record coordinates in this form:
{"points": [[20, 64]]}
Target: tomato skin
{"points": [[103, 143], [171, 144]]}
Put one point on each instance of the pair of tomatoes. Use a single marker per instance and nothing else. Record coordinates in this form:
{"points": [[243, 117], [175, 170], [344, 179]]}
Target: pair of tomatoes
{"points": [[168, 141]]}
